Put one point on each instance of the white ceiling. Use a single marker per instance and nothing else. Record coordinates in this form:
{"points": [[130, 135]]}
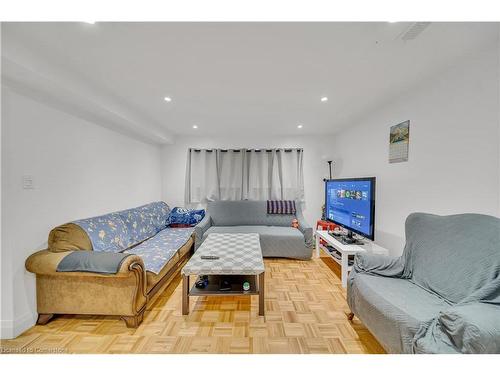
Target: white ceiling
{"points": [[241, 78]]}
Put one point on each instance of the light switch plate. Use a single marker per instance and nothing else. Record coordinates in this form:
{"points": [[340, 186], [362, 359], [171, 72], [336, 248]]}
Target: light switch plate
{"points": [[28, 183]]}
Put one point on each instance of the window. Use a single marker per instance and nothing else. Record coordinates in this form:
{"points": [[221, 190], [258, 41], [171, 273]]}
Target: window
{"points": [[253, 174]]}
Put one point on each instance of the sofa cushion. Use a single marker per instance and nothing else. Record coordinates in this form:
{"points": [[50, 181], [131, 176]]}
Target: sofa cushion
{"points": [[467, 244], [275, 241], [158, 250], [153, 278], [392, 309], [107, 232], [471, 328], [145, 221], [234, 213], [160, 212]]}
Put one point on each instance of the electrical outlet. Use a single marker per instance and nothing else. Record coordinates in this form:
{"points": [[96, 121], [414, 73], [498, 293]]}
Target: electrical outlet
{"points": [[28, 183]]}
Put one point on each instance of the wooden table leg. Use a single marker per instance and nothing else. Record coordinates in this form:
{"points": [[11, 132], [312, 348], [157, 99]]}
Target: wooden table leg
{"points": [[185, 294], [262, 288]]}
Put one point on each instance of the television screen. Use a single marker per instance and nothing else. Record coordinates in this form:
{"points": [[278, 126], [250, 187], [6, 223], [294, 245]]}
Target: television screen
{"points": [[351, 204]]}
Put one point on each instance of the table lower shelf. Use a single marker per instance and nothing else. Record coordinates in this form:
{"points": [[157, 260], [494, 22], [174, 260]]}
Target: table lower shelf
{"points": [[236, 286], [212, 289]]}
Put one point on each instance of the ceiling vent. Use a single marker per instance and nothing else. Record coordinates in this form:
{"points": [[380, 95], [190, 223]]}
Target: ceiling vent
{"points": [[414, 30]]}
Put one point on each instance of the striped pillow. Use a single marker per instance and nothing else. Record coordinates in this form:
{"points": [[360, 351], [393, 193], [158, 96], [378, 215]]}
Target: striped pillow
{"points": [[281, 207]]}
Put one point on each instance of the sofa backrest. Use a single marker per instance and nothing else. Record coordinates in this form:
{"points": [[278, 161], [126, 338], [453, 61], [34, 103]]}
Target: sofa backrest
{"points": [[107, 232], [231, 213], [453, 256], [111, 232], [145, 221]]}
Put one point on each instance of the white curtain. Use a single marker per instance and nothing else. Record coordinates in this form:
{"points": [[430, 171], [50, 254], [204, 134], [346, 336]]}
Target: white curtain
{"points": [[242, 174], [202, 179], [292, 177], [231, 169]]}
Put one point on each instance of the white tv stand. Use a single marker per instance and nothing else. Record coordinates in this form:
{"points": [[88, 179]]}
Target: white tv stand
{"points": [[345, 251]]}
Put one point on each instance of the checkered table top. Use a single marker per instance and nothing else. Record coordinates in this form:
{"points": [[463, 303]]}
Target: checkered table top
{"points": [[239, 254]]}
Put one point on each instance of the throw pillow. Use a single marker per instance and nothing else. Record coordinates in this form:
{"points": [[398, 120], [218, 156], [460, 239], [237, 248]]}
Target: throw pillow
{"points": [[182, 216]]}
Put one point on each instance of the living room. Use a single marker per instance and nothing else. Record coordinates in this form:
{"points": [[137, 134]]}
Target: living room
{"points": [[250, 187]]}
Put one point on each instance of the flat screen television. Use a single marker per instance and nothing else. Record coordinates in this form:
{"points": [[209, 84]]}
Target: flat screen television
{"points": [[350, 203]]}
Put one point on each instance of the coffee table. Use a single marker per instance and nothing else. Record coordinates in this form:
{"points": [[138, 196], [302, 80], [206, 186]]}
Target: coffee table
{"points": [[240, 259]]}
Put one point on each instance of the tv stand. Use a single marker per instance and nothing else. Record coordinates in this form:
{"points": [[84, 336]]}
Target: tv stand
{"points": [[346, 239], [335, 249]]}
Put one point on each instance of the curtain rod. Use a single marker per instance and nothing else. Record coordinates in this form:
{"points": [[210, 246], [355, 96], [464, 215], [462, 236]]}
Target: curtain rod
{"points": [[247, 149]]}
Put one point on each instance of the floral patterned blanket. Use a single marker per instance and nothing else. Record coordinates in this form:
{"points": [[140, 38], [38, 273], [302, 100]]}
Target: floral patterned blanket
{"points": [[157, 251], [144, 226], [118, 231]]}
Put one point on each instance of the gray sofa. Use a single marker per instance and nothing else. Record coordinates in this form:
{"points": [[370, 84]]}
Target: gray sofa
{"points": [[277, 237], [442, 295]]}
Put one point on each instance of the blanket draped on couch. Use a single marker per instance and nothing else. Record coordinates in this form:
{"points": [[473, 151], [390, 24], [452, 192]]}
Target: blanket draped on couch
{"points": [[454, 262]]}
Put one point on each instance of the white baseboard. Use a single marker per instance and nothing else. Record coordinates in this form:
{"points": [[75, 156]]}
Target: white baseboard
{"points": [[10, 329]]}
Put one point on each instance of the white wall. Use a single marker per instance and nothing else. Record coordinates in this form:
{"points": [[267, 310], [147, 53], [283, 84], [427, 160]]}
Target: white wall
{"points": [[4, 308], [498, 47], [79, 170], [316, 151], [453, 162]]}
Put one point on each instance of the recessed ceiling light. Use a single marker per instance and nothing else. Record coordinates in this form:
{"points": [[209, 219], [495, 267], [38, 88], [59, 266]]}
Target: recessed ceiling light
{"points": [[300, 126], [90, 22], [167, 99], [195, 126], [324, 99]]}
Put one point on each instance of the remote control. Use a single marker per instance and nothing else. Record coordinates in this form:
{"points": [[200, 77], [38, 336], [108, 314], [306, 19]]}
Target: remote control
{"points": [[210, 257]]}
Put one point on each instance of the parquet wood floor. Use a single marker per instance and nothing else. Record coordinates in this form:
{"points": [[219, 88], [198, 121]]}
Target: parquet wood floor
{"points": [[305, 313]]}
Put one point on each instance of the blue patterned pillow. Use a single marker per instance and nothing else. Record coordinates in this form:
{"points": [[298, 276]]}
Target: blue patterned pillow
{"points": [[183, 216]]}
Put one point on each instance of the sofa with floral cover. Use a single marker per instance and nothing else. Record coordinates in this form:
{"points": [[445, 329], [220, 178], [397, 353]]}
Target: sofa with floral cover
{"points": [[149, 252]]}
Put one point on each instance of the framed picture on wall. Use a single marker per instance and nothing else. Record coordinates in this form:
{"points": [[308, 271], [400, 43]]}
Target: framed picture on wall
{"points": [[399, 141]]}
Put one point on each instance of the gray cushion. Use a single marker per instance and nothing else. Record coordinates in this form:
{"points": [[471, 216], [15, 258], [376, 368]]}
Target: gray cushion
{"points": [[474, 327], [392, 309], [230, 213], [468, 244], [465, 328], [91, 261], [275, 241]]}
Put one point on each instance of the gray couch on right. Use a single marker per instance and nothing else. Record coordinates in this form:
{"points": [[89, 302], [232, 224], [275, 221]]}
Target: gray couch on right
{"points": [[442, 295]]}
